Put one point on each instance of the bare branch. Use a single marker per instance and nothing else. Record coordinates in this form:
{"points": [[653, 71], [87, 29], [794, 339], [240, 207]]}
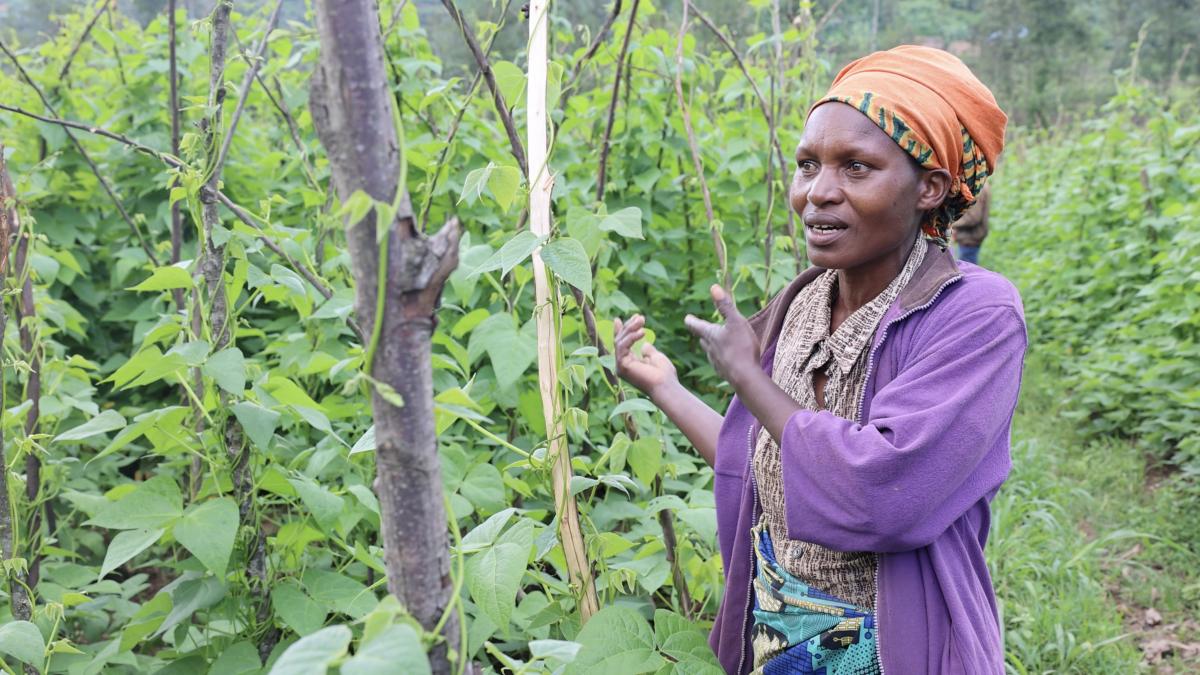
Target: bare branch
{"points": [[502, 109], [87, 30], [254, 63], [697, 160], [601, 174], [175, 162], [108, 189], [768, 115], [458, 117], [599, 38]]}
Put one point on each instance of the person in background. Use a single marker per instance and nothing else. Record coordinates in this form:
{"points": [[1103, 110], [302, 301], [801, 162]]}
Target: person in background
{"points": [[972, 228]]}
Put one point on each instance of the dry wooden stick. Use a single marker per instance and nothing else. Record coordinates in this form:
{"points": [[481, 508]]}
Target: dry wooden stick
{"points": [[541, 185], [697, 161]]}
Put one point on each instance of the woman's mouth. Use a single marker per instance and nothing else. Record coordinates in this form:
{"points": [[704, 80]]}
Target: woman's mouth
{"points": [[822, 231]]}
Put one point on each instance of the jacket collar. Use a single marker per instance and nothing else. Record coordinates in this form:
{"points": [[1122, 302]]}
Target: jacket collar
{"points": [[938, 268]]}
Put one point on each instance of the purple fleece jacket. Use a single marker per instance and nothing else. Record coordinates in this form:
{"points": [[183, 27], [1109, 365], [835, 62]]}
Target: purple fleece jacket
{"points": [[911, 480]]}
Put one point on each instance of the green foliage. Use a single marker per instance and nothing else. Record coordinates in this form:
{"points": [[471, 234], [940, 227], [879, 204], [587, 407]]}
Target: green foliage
{"points": [[152, 560], [1100, 227]]}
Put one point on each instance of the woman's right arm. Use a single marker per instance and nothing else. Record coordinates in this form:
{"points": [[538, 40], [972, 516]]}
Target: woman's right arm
{"points": [[654, 375]]}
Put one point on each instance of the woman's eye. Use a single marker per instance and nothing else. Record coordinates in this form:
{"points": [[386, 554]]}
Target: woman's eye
{"points": [[858, 167], [806, 166]]}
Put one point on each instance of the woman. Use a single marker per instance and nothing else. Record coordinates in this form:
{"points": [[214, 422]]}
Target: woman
{"points": [[870, 426]]}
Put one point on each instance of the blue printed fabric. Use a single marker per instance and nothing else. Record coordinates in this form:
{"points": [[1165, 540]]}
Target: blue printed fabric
{"points": [[799, 629]]}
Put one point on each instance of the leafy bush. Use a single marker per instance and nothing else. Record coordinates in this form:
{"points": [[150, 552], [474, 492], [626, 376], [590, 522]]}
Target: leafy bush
{"points": [[1100, 228]]}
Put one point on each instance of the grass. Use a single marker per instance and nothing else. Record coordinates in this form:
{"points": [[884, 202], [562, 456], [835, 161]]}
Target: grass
{"points": [[1081, 547]]}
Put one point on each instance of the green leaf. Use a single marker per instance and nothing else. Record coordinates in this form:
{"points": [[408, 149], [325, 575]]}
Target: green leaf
{"points": [[570, 262], [153, 504], [396, 650], [627, 222], [616, 640], [510, 351], [258, 422], [325, 506], [560, 651], [23, 641], [298, 611], [483, 534], [631, 405], [510, 79], [474, 184], [228, 368], [494, 576], [240, 658], [645, 458], [339, 593], [512, 253], [125, 546], [106, 421], [504, 183], [208, 530], [366, 442], [189, 597], [164, 420], [356, 207], [165, 279], [312, 655], [484, 487]]}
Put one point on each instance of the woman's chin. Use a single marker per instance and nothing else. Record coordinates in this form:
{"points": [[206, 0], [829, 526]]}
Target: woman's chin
{"points": [[823, 257]]}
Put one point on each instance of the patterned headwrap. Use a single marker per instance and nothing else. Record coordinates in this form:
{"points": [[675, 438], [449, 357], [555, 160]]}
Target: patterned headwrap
{"points": [[936, 110]]}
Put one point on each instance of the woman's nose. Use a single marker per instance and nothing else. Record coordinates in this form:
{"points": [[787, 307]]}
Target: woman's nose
{"points": [[823, 187]]}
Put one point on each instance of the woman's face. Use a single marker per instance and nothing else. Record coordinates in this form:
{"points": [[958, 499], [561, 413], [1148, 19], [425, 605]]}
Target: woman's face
{"points": [[858, 194]]}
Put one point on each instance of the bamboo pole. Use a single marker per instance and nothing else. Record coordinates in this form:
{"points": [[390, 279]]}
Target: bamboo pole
{"points": [[541, 183]]}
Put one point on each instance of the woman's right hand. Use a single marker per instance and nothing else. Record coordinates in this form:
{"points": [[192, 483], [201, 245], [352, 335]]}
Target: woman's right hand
{"points": [[648, 372]]}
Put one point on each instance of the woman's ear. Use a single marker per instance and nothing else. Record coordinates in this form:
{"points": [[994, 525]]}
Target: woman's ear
{"points": [[933, 188]]}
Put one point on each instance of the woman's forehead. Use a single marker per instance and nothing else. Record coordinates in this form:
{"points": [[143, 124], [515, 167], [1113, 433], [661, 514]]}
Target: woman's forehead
{"points": [[837, 124]]}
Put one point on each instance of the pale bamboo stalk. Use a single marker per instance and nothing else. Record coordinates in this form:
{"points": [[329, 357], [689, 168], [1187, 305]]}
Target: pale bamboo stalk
{"points": [[541, 183]]}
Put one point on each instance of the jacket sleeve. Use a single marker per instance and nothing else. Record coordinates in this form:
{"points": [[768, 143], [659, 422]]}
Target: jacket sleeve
{"points": [[935, 444]]}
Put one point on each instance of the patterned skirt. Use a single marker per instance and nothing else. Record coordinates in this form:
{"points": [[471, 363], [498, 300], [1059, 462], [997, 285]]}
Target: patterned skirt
{"points": [[798, 629]]}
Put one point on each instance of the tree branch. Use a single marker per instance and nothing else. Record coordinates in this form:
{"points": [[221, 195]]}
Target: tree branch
{"points": [[481, 59], [254, 63], [177, 163], [595, 45], [601, 174], [87, 30], [767, 114], [458, 117], [697, 160], [108, 189]]}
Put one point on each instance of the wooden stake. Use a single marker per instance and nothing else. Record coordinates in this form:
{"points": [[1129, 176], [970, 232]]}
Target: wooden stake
{"points": [[541, 182]]}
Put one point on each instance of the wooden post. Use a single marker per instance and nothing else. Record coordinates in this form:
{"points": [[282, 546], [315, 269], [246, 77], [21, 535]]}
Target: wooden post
{"points": [[541, 182]]}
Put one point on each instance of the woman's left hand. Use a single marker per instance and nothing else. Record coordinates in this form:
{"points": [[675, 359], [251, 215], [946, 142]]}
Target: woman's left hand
{"points": [[732, 347]]}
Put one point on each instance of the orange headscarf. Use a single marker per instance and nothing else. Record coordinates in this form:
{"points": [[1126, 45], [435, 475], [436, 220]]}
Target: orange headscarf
{"points": [[936, 110]]}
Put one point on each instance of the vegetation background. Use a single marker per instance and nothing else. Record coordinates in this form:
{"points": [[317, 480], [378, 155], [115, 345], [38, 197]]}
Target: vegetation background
{"points": [[138, 536]]}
